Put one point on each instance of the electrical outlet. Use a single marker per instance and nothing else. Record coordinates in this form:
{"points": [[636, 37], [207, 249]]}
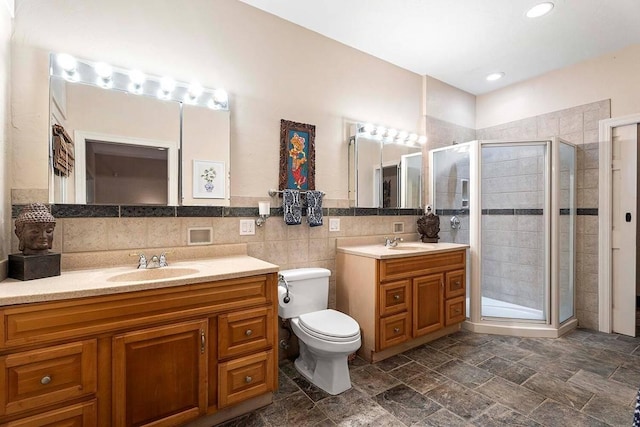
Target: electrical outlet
{"points": [[247, 227], [334, 224]]}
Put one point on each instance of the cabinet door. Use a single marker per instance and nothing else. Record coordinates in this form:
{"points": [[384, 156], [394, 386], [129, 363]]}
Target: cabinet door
{"points": [[428, 307], [159, 375]]}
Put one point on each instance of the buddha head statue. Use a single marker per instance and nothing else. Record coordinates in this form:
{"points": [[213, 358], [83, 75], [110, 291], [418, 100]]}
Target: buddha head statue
{"points": [[34, 228]]}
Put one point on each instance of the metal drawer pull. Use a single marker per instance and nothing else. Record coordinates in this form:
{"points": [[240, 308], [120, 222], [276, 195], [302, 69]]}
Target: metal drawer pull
{"points": [[248, 379], [203, 341], [396, 330], [248, 332], [45, 380], [458, 283], [396, 297]]}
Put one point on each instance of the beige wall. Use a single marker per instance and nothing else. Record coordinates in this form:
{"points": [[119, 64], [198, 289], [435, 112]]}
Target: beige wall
{"points": [[447, 103], [6, 27], [613, 76], [272, 69]]}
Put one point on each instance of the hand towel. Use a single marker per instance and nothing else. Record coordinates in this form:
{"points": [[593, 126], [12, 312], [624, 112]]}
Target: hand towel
{"points": [[314, 208], [291, 207]]}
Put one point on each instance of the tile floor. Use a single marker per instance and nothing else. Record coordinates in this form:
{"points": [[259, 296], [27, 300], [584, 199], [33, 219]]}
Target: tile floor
{"points": [[585, 378]]}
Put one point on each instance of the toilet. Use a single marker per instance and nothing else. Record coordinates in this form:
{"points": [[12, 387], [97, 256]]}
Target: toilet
{"points": [[326, 337]]}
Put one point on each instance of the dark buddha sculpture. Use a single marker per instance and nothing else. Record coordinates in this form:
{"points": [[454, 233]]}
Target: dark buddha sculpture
{"points": [[429, 227], [34, 228]]}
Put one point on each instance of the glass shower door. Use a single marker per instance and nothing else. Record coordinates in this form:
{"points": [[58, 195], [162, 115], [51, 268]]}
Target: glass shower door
{"points": [[514, 224]]}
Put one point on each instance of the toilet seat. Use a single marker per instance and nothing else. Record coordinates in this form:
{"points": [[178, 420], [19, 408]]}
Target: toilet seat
{"points": [[330, 325]]}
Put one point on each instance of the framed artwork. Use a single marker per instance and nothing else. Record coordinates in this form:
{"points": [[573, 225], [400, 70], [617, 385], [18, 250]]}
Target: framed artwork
{"points": [[297, 156], [208, 179]]}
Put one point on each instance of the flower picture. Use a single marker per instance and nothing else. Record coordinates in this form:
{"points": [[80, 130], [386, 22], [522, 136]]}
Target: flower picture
{"points": [[208, 179]]}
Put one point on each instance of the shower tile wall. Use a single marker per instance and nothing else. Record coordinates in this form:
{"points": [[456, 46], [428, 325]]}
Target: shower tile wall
{"points": [[578, 125]]}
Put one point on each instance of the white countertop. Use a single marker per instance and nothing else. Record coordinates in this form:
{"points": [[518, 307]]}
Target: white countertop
{"points": [[403, 250], [85, 283]]}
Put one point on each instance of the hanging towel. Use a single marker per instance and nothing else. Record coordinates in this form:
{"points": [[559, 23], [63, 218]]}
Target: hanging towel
{"points": [[314, 208], [291, 207]]}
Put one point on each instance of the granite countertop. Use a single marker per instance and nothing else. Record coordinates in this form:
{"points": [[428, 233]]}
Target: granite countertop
{"points": [[404, 249], [104, 281]]}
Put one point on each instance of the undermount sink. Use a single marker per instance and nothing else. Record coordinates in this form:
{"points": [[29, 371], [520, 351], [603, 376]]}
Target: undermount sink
{"points": [[152, 274]]}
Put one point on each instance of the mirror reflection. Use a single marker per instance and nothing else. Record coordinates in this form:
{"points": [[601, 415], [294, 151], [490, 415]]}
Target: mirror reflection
{"points": [[133, 146], [385, 168]]}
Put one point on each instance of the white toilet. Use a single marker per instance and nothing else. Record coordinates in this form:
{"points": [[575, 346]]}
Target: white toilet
{"points": [[326, 337]]}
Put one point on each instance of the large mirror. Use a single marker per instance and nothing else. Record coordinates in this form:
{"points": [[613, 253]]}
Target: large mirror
{"points": [[134, 146], [385, 168]]}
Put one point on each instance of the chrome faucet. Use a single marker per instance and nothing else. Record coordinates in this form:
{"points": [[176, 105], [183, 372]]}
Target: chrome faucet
{"points": [[155, 261], [392, 243]]}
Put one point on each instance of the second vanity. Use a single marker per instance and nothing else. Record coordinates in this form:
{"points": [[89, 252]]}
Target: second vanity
{"points": [[120, 347], [401, 296]]}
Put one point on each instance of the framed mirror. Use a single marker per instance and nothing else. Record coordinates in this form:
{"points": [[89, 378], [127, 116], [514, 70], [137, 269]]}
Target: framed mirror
{"points": [[385, 168], [125, 138]]}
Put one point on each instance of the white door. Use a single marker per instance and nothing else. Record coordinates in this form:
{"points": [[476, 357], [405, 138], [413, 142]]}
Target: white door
{"points": [[623, 232]]}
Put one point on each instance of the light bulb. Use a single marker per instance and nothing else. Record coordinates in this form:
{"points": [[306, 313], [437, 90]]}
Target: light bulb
{"points": [[137, 78], [422, 140], [391, 133], [219, 100], [368, 128], [380, 130], [193, 92], [167, 84], [403, 135], [413, 137], [68, 64], [104, 72]]}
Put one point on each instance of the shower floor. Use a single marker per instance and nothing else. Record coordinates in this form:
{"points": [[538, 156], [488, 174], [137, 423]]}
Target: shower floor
{"points": [[502, 309]]}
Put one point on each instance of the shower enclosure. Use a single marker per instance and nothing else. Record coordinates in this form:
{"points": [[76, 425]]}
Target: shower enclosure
{"points": [[514, 204]]}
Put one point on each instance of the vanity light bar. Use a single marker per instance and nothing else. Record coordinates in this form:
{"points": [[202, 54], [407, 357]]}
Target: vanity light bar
{"points": [[390, 135], [136, 82]]}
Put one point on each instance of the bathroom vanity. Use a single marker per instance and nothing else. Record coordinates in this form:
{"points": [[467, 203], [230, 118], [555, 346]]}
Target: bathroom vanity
{"points": [[401, 296], [120, 347]]}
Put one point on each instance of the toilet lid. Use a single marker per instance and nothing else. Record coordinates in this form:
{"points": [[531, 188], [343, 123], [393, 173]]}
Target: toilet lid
{"points": [[330, 324]]}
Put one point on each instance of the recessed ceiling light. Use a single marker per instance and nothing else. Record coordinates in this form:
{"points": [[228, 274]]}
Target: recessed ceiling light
{"points": [[495, 76], [540, 10]]}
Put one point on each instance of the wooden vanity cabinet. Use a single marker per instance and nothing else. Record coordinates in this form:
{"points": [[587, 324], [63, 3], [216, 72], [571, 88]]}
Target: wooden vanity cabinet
{"points": [[160, 357], [402, 302]]}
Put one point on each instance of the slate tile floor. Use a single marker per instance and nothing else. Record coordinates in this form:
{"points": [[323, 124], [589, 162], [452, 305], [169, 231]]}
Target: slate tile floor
{"points": [[585, 378]]}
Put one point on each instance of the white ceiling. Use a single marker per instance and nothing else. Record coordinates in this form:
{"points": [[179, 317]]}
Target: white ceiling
{"points": [[461, 41]]}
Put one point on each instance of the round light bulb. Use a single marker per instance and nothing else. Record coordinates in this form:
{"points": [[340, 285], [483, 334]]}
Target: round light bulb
{"points": [[368, 128], [391, 133], [66, 62], [103, 70], [195, 90], [422, 140], [380, 130], [220, 96], [413, 137], [403, 135], [137, 77]]}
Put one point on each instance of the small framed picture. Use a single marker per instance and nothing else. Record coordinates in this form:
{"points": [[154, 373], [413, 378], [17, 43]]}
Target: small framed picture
{"points": [[208, 179], [297, 155]]}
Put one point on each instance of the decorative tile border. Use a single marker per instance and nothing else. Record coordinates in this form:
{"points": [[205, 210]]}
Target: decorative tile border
{"points": [[144, 211]]}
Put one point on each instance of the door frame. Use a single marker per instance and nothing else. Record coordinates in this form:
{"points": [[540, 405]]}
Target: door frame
{"points": [[605, 200]]}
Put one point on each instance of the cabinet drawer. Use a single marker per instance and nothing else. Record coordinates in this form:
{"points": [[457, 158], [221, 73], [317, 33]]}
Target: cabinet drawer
{"points": [[400, 268], [245, 331], [245, 377], [80, 415], [395, 297], [455, 284], [454, 310], [394, 330], [36, 378]]}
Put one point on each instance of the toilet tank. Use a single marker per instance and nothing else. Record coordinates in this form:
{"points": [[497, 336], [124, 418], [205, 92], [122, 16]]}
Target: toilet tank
{"points": [[308, 291]]}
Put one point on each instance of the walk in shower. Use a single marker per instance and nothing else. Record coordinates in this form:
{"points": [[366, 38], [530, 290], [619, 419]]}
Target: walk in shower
{"points": [[514, 204]]}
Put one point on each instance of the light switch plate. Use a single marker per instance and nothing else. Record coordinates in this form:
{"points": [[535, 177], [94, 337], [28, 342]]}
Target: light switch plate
{"points": [[334, 224], [247, 227]]}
